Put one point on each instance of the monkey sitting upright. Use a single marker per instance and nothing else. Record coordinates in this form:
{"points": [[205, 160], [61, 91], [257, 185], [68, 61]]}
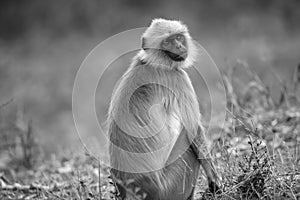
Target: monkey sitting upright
{"points": [[157, 140]]}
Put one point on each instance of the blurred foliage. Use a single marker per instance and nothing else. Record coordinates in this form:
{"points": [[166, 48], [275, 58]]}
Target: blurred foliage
{"points": [[42, 44], [58, 18]]}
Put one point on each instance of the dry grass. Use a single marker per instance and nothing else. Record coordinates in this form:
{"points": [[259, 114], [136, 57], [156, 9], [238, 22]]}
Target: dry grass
{"points": [[257, 154]]}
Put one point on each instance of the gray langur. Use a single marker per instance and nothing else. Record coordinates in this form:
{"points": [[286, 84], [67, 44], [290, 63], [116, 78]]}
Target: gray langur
{"points": [[154, 122]]}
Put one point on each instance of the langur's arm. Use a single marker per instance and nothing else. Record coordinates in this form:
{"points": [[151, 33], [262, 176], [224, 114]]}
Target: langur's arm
{"points": [[199, 146]]}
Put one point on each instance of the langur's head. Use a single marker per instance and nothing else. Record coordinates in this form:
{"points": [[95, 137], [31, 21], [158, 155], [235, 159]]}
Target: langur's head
{"points": [[167, 43]]}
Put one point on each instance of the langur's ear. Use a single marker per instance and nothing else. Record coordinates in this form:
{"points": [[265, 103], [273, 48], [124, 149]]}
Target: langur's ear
{"points": [[143, 43]]}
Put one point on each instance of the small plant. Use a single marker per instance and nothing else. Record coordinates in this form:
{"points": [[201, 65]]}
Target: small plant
{"points": [[256, 170]]}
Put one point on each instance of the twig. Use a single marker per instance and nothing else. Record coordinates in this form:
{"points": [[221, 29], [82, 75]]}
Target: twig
{"points": [[242, 123], [296, 78], [6, 103], [99, 179]]}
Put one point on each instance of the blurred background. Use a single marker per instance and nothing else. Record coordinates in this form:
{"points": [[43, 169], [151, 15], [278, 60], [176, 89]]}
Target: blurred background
{"points": [[43, 43]]}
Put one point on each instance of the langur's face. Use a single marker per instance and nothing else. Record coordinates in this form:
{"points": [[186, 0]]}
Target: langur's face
{"points": [[175, 46]]}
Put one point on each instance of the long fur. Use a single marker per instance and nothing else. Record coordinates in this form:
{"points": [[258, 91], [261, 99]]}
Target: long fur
{"points": [[153, 105]]}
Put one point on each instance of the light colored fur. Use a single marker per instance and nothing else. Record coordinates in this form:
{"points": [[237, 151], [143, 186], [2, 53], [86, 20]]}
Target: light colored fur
{"points": [[155, 97], [159, 30]]}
